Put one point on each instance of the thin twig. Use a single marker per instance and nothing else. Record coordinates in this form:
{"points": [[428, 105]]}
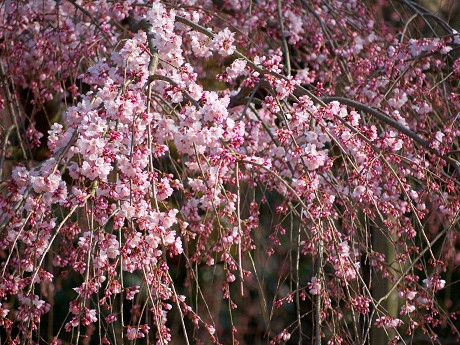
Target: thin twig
{"points": [[13, 115], [3, 153], [240, 230], [287, 57], [319, 269]]}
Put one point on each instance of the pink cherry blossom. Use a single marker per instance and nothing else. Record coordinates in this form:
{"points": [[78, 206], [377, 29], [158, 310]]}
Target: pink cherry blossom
{"points": [[314, 286], [284, 164]]}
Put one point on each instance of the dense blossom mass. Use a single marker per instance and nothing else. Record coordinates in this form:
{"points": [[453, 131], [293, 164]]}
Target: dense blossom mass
{"points": [[228, 172]]}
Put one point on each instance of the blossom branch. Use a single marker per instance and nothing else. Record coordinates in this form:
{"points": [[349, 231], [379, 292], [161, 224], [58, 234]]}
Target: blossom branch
{"points": [[389, 121]]}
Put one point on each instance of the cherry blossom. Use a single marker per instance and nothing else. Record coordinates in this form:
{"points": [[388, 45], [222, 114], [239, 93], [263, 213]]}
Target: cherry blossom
{"points": [[314, 286]]}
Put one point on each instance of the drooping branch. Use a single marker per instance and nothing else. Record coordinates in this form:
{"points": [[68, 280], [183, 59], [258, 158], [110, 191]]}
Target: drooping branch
{"points": [[396, 125], [241, 97]]}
